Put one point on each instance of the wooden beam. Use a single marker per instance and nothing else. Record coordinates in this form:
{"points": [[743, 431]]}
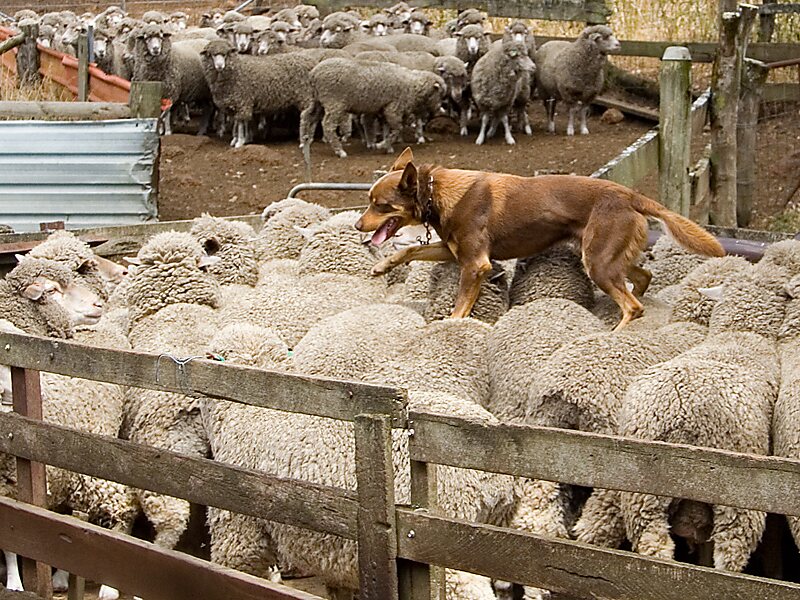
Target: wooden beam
{"points": [[377, 541], [83, 67], [634, 162], [130, 565], [675, 130], [198, 480], [632, 109], [754, 76], [63, 110], [579, 570], [28, 61], [331, 398], [12, 43], [589, 11], [145, 99], [714, 476], [771, 8], [31, 476]]}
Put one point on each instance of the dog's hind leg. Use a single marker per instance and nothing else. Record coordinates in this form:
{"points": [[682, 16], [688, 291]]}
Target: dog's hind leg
{"points": [[469, 286], [640, 278]]}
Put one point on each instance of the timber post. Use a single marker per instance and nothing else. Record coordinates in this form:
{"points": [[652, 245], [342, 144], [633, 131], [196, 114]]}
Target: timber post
{"points": [[377, 537], [145, 99], [675, 130], [28, 62], [31, 477], [726, 83], [754, 76], [83, 67]]}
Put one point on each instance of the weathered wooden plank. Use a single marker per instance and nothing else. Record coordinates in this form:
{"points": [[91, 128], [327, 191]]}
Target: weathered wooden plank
{"points": [[700, 112], [377, 541], [270, 389], [675, 130], [145, 99], [198, 480], [714, 476], [781, 92], [63, 110], [12, 43], [589, 11], [131, 565], [632, 109], [775, 9], [634, 162], [754, 75], [31, 476], [83, 67], [571, 567]]}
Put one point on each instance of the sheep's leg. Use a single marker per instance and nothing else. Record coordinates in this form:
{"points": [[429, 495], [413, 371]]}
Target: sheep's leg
{"points": [[647, 524], [393, 127], [550, 109], [492, 127], [463, 120], [166, 119], [584, 113], [600, 522], [13, 578], [437, 251], [169, 516], [484, 122], [525, 120], [330, 122], [368, 125], [253, 551], [507, 128], [571, 121], [736, 534], [60, 580], [205, 121], [420, 131]]}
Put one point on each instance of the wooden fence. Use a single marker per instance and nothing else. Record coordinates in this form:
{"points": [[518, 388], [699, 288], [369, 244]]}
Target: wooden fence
{"points": [[397, 544]]}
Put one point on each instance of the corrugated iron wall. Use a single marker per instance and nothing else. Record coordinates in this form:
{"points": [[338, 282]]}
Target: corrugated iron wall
{"points": [[87, 173]]}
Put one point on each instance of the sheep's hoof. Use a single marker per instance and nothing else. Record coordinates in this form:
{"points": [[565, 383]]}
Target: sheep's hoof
{"points": [[107, 593], [570, 132], [340, 153], [584, 131], [464, 132], [421, 139], [479, 142], [528, 130], [239, 144], [233, 143]]}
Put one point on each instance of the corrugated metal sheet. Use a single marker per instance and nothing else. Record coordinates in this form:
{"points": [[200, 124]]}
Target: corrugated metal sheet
{"points": [[85, 173]]}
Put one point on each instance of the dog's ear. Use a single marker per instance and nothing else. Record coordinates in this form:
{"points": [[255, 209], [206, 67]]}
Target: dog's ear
{"points": [[408, 180], [406, 156]]}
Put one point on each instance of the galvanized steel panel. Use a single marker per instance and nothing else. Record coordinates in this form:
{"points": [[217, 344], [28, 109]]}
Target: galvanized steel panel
{"points": [[85, 173]]}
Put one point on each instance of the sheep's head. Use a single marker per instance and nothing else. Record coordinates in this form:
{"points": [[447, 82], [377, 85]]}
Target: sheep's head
{"points": [[218, 52], [517, 31], [43, 281], [290, 17], [454, 73], [335, 30], [472, 37], [602, 37], [242, 37], [517, 54], [153, 17], [281, 30], [114, 16], [418, 23], [378, 25], [179, 19], [154, 38], [470, 16], [46, 36], [101, 44], [306, 13]]}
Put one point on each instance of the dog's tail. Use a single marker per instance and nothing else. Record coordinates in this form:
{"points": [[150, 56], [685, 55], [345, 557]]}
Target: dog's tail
{"points": [[685, 232]]}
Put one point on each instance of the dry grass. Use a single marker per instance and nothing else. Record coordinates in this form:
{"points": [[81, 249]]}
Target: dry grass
{"points": [[46, 91]]}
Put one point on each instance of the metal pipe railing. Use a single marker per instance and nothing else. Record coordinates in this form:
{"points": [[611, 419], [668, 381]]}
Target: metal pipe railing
{"points": [[346, 187]]}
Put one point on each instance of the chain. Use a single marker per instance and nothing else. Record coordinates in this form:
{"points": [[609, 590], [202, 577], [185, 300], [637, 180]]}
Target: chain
{"points": [[426, 216]]}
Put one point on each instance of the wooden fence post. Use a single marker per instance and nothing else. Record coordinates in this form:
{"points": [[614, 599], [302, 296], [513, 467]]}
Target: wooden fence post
{"points": [[31, 478], [675, 129], [754, 77], [83, 67], [419, 581], [145, 99], [766, 24], [726, 82], [28, 55], [377, 537]]}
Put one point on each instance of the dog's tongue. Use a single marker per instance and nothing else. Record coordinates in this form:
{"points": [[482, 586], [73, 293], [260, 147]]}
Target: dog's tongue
{"points": [[382, 233]]}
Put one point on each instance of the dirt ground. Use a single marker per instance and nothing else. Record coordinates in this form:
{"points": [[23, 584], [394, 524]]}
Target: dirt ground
{"points": [[202, 174]]}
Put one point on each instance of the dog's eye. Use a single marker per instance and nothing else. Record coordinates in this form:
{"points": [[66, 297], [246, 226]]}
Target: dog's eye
{"points": [[383, 208]]}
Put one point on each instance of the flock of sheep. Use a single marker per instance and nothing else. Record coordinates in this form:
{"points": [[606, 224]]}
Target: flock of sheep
{"points": [[714, 362], [380, 74]]}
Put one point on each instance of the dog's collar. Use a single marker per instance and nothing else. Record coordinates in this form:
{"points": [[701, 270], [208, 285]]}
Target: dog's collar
{"points": [[425, 199]]}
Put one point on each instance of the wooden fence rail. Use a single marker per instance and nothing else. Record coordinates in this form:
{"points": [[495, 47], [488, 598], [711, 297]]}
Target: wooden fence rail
{"points": [[391, 538]]}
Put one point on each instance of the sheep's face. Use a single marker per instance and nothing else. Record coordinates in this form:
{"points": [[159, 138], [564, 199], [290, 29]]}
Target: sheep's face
{"points": [[100, 47], [115, 19], [378, 25], [333, 37], [416, 26], [280, 31], [472, 37], [242, 42], [264, 42], [154, 44], [82, 305], [517, 53], [111, 272], [604, 39]]}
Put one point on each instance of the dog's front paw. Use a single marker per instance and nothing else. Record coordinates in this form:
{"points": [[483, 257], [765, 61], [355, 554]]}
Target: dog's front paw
{"points": [[381, 268]]}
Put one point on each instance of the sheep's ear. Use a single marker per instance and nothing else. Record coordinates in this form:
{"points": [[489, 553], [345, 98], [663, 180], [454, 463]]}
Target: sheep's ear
{"points": [[408, 180], [207, 261], [457, 34], [714, 293], [406, 156], [307, 232], [19, 257], [35, 290], [132, 260]]}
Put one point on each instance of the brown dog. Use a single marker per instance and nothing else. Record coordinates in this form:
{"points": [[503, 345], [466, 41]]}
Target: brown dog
{"points": [[482, 216]]}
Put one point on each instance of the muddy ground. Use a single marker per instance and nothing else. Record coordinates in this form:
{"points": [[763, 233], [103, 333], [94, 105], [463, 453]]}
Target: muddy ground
{"points": [[203, 174]]}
